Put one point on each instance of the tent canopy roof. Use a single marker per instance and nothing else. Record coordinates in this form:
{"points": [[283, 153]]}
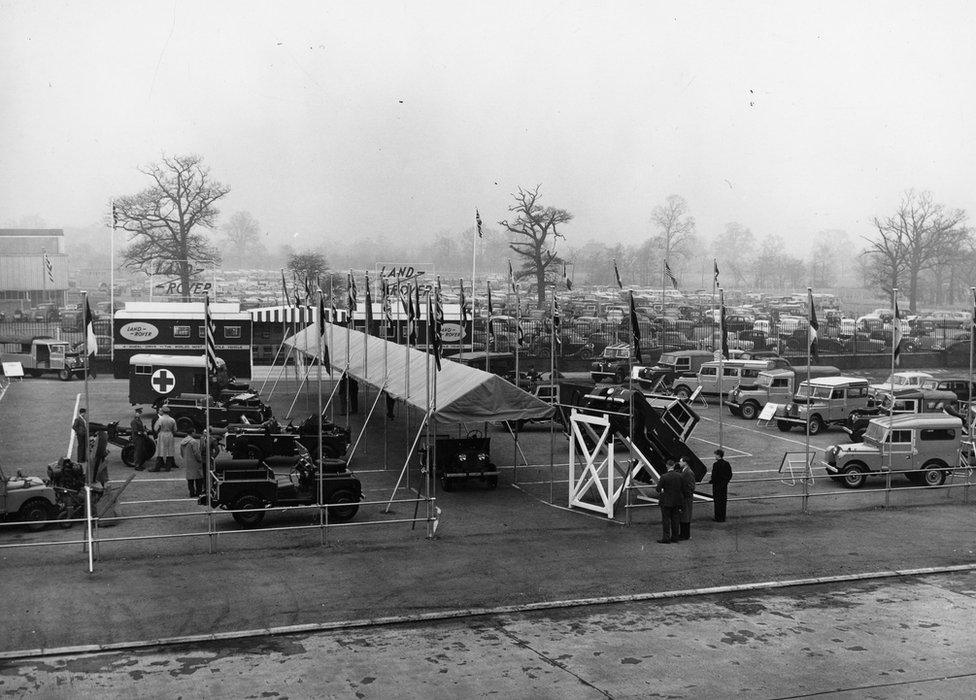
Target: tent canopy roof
{"points": [[463, 394]]}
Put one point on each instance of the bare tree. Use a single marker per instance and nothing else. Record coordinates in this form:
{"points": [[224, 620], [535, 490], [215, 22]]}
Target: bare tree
{"points": [[919, 235], [538, 227], [241, 239], [734, 251], [163, 220], [676, 227], [307, 265]]}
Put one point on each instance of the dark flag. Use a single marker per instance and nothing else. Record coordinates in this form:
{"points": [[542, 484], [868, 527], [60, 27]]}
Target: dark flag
{"points": [[464, 308], [369, 307], [715, 263], [385, 303], [896, 333], [411, 320], [491, 308], [670, 275], [616, 274], [491, 312], [416, 304], [635, 329], [115, 216], [511, 278], [438, 321], [325, 347], [569, 282], [477, 220], [725, 337], [814, 327], [353, 294], [91, 342], [210, 331], [308, 291]]}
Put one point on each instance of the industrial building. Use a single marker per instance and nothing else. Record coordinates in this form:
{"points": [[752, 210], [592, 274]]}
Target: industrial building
{"points": [[33, 268]]}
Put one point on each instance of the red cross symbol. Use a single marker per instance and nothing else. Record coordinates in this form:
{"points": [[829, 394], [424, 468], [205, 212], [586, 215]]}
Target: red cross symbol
{"points": [[163, 381]]}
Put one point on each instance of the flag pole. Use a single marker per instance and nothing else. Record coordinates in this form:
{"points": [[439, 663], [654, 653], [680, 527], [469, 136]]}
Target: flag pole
{"points": [[321, 358], [91, 477], [714, 282], [891, 408], [969, 394], [474, 258], [430, 448], [811, 338], [111, 286], [206, 415], [663, 323], [721, 370]]}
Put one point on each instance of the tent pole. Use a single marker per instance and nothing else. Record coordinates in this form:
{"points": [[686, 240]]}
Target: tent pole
{"points": [[406, 463], [363, 430], [320, 330]]}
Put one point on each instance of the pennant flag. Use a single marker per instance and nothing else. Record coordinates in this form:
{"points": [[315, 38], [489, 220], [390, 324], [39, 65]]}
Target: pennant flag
{"points": [[491, 308], [284, 289], [210, 342], [385, 303], [635, 329], [725, 337], [325, 347], [521, 334], [91, 342], [298, 299], [464, 308], [569, 282], [477, 219], [715, 262], [511, 279], [974, 312], [308, 291], [670, 275], [332, 306], [353, 294], [115, 216], [616, 274], [48, 267], [369, 307], [438, 321], [411, 319], [814, 327], [416, 303], [896, 333]]}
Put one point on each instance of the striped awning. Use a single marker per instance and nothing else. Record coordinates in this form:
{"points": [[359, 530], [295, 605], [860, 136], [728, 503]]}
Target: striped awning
{"points": [[289, 314]]}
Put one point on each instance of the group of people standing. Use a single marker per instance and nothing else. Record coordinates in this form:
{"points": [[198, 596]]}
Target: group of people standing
{"points": [[676, 489]]}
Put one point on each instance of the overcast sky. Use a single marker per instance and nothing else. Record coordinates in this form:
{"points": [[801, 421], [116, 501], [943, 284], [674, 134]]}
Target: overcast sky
{"points": [[335, 120]]}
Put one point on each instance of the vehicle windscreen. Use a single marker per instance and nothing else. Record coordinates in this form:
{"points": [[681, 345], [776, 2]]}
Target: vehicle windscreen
{"points": [[765, 381], [875, 433], [805, 391], [668, 358], [930, 384]]}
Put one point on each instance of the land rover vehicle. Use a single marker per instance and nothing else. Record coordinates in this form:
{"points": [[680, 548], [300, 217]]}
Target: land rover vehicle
{"points": [[899, 380], [960, 386], [250, 486], [923, 447], [190, 410], [459, 459], [614, 365], [774, 385], [823, 402], [670, 366], [734, 372], [48, 356], [909, 400], [27, 499], [285, 444]]}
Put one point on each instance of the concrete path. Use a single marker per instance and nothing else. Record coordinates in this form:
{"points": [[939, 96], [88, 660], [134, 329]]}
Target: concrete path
{"points": [[890, 639]]}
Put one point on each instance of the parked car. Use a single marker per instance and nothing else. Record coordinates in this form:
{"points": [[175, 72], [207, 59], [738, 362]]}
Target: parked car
{"points": [[962, 387], [899, 380], [27, 499], [821, 403], [924, 448], [774, 385], [910, 400], [190, 410]]}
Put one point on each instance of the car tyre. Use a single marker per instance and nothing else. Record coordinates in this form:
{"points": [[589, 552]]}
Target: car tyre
{"points": [[934, 474], [253, 508], [682, 393], [749, 410], [816, 424], [447, 483], [854, 475], [254, 452], [184, 425], [34, 512], [64, 375], [345, 505], [129, 455], [784, 426]]}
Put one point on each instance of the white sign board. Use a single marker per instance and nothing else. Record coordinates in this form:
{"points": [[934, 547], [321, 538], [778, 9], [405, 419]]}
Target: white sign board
{"points": [[769, 410], [13, 369]]}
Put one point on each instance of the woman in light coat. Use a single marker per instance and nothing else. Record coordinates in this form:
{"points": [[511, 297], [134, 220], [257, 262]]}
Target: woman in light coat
{"points": [[165, 441]]}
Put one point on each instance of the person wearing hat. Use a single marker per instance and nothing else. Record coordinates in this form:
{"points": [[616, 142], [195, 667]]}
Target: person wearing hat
{"points": [[139, 442], [191, 453], [670, 486], [688, 480], [165, 442], [721, 476]]}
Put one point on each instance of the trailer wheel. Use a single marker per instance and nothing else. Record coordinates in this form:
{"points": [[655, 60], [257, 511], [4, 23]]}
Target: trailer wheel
{"points": [[682, 393], [64, 375], [345, 505], [34, 512], [254, 452], [784, 426], [253, 510], [185, 425], [129, 455]]}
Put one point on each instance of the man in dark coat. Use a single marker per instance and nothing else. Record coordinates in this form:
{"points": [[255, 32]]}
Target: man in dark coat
{"points": [[670, 486], [80, 426], [139, 440], [98, 468], [688, 492], [721, 476]]}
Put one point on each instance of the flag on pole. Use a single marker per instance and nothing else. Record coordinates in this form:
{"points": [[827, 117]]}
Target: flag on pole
{"points": [[115, 216], [438, 321], [385, 303], [896, 333], [491, 312], [48, 268], [353, 294], [670, 275], [91, 341], [325, 347], [715, 263], [491, 308], [411, 318], [477, 220], [209, 333], [635, 329], [416, 317], [814, 327], [616, 274], [369, 307], [569, 282], [721, 326], [332, 306], [308, 291], [464, 308], [284, 289]]}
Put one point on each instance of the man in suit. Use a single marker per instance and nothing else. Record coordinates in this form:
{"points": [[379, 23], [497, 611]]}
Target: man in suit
{"points": [[721, 476], [688, 494], [670, 486], [138, 439]]}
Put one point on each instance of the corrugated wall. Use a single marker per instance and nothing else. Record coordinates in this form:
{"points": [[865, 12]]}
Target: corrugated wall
{"points": [[26, 272]]}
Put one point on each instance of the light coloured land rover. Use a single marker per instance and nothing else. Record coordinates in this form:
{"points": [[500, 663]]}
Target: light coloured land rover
{"points": [[733, 373], [823, 402], [774, 385], [922, 447], [900, 380]]}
